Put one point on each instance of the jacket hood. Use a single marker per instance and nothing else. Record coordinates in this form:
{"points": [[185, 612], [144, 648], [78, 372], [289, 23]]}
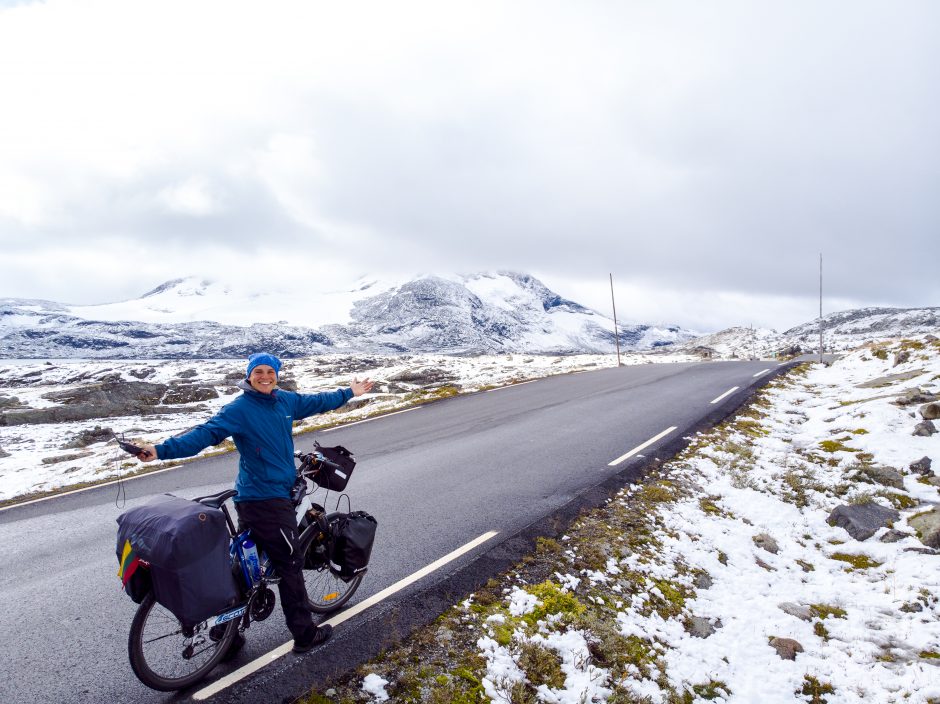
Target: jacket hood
{"points": [[246, 387]]}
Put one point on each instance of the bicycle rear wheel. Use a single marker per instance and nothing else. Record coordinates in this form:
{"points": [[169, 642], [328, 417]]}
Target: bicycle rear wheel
{"points": [[165, 659], [326, 591]]}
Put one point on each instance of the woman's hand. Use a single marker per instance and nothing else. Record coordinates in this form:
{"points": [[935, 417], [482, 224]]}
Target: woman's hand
{"points": [[148, 453], [361, 387]]}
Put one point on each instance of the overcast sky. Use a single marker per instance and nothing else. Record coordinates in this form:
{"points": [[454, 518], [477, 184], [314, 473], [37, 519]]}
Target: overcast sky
{"points": [[704, 153]]}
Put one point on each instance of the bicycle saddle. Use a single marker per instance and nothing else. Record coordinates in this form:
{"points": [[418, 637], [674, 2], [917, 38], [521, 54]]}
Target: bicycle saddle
{"points": [[216, 500]]}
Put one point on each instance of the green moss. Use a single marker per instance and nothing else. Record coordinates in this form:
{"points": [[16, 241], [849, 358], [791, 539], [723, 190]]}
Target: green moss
{"points": [[900, 501], [824, 611], [540, 665], [815, 689], [673, 599], [807, 566], [836, 446], [708, 505], [502, 633], [658, 492], [552, 601], [860, 431], [880, 353], [929, 654], [857, 562], [820, 630], [711, 690], [751, 428]]}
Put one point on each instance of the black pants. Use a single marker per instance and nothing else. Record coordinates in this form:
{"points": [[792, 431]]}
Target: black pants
{"points": [[274, 530]]}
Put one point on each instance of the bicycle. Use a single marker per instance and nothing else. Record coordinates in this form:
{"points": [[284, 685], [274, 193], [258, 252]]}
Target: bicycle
{"points": [[166, 656]]}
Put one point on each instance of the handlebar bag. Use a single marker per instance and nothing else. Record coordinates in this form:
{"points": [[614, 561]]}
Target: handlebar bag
{"points": [[187, 547], [353, 535], [335, 478]]}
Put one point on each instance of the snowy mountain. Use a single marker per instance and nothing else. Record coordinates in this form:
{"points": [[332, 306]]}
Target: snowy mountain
{"points": [[851, 328], [193, 318], [841, 331], [734, 343]]}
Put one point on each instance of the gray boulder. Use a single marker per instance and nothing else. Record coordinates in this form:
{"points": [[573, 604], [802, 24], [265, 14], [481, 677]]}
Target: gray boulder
{"points": [[922, 466], [3, 453], [886, 476], [915, 396], [931, 411], [902, 357], [89, 437], [189, 393], [925, 429], [862, 520], [927, 527]]}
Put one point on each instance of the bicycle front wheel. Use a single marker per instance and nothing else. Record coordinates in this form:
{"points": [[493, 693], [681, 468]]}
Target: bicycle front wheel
{"points": [[163, 658], [326, 591]]}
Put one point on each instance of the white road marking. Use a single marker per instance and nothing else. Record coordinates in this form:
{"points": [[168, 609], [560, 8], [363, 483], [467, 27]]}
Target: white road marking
{"points": [[510, 386], [366, 420], [89, 488], [726, 393], [761, 373], [638, 448], [258, 663]]}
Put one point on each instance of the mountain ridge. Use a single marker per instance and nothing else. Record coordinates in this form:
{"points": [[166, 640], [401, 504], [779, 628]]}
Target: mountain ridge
{"points": [[458, 314]]}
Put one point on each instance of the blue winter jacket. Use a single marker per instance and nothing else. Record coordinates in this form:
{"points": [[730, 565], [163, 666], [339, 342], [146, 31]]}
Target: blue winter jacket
{"points": [[260, 424]]}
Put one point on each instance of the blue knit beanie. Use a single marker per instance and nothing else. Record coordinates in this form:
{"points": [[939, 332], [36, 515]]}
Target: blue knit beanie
{"points": [[263, 358]]}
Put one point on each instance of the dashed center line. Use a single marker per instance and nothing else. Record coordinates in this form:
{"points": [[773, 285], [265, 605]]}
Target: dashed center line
{"points": [[761, 373], [726, 394], [639, 448], [280, 651]]}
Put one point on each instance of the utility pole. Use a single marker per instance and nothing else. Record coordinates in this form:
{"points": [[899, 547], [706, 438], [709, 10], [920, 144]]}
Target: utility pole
{"points": [[616, 331], [820, 311]]}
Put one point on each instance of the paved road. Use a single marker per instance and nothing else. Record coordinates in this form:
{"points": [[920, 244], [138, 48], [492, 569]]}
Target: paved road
{"points": [[435, 478]]}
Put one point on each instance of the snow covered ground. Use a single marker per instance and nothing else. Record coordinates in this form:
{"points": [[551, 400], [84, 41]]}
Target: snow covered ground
{"points": [[720, 579], [37, 460]]}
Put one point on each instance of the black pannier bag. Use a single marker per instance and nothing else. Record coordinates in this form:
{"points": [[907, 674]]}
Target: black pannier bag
{"points": [[332, 478], [353, 535], [187, 547]]}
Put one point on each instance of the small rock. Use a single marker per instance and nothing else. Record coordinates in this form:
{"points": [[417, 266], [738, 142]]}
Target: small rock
{"points": [[700, 627], [703, 580], [763, 565], [798, 610], [862, 520], [922, 466], [923, 551], [925, 429], [893, 536], [767, 543], [187, 374], [914, 607], [902, 357], [786, 648], [930, 412], [3, 453]]}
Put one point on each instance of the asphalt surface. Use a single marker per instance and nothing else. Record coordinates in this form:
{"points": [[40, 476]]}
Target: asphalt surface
{"points": [[520, 460]]}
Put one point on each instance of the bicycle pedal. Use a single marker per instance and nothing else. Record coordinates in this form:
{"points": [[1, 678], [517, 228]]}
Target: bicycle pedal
{"points": [[272, 580]]}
